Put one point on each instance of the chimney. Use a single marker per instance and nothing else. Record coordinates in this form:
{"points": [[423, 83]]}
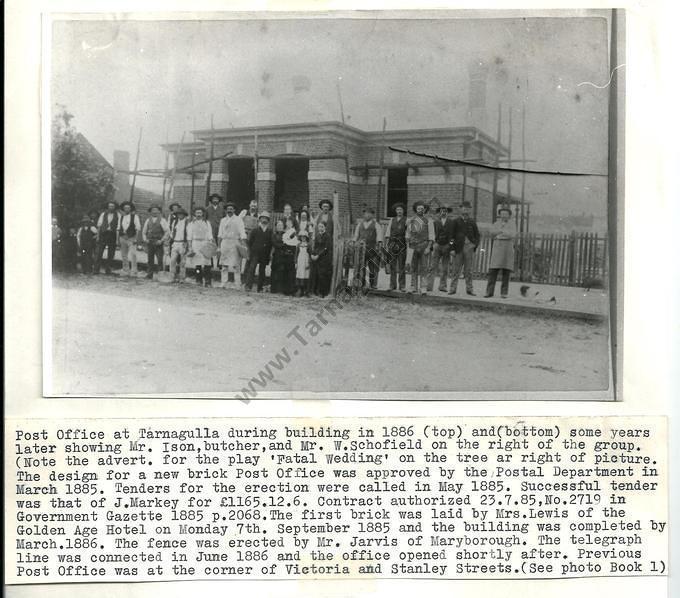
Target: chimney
{"points": [[121, 181], [478, 73]]}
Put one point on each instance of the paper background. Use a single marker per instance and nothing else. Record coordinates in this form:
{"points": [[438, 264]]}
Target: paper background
{"points": [[652, 289]]}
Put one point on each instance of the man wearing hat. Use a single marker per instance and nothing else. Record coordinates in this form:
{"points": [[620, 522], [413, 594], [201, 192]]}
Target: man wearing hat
{"points": [[179, 242], [86, 239], [230, 235], [214, 213], [420, 238], [172, 218], [129, 236], [441, 252], [107, 227], [502, 259], [250, 221], [200, 247], [368, 234], [395, 239], [260, 248], [465, 243], [155, 233], [326, 216]]}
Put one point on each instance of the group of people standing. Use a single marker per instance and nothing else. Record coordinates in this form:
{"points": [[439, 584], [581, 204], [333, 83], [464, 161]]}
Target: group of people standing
{"points": [[298, 246], [441, 246], [241, 246]]}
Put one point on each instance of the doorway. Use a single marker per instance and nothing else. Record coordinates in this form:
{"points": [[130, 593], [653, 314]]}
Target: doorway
{"points": [[292, 184], [397, 188], [241, 186]]}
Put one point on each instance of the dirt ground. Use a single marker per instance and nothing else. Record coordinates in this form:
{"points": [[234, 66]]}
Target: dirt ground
{"points": [[114, 335]]}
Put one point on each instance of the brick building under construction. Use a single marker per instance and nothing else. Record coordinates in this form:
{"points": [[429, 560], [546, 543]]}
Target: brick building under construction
{"points": [[294, 154]]}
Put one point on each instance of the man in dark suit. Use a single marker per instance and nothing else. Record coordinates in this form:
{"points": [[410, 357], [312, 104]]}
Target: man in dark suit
{"points": [[260, 248], [465, 243], [441, 251]]}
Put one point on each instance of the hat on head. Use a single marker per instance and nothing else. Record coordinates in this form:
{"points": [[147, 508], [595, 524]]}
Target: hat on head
{"points": [[326, 201], [465, 204], [174, 204], [504, 209], [399, 205], [230, 203], [303, 234], [369, 209], [199, 208], [111, 201], [215, 196], [264, 214], [420, 203], [445, 207], [86, 218], [154, 205], [181, 210], [128, 203]]}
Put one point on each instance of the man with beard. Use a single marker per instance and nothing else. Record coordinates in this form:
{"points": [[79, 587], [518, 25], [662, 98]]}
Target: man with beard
{"points": [[368, 234], [201, 247], [465, 243], [230, 236], [107, 236], [129, 236], [250, 221], [441, 253], [420, 238], [214, 213], [395, 238]]}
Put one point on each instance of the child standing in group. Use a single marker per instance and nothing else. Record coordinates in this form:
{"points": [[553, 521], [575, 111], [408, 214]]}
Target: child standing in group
{"points": [[87, 244], [302, 262]]}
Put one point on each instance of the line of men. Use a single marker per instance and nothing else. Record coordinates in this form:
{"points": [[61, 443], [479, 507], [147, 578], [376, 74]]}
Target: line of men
{"points": [[299, 247], [434, 241]]}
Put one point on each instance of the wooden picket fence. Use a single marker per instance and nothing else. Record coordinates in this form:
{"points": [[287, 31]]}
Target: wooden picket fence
{"points": [[576, 259]]}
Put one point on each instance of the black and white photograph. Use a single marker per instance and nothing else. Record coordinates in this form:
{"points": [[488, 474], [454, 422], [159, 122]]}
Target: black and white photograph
{"points": [[375, 205]]}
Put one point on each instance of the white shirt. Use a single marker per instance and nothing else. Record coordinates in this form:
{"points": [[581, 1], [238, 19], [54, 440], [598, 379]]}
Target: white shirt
{"points": [[180, 231], [199, 230], [110, 216], [125, 222], [231, 227]]}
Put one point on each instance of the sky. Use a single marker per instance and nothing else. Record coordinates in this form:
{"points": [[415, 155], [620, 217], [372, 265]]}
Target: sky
{"points": [[168, 77]]}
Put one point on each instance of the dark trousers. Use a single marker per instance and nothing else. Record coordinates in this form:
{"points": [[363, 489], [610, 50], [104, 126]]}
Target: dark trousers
{"points": [[203, 275], [154, 253], [397, 253], [320, 277], [107, 241], [87, 257], [372, 263], [491, 281], [256, 261]]}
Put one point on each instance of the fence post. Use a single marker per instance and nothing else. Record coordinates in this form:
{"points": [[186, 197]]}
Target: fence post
{"points": [[571, 257]]}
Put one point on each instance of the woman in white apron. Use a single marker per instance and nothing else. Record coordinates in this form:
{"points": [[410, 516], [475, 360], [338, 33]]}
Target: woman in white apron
{"points": [[502, 253]]}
